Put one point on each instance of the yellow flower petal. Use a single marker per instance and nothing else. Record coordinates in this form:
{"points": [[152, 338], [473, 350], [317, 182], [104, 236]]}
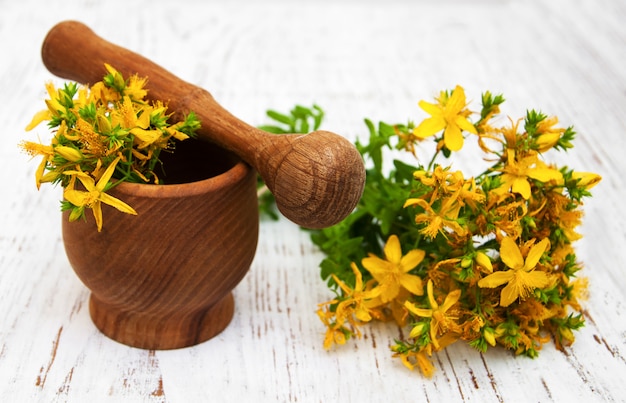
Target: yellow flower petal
{"points": [[453, 138], [176, 134], [430, 108], [117, 203], [38, 118], [465, 124], [106, 176], [375, 265], [412, 259], [510, 254], [412, 283], [146, 137], [429, 127], [413, 201], [144, 120], [87, 181], [535, 254], [451, 299], [508, 295], [393, 251], [545, 174], [341, 284], [39, 173], [431, 298], [456, 102], [76, 197], [496, 279], [53, 103], [97, 215], [520, 185], [424, 313]]}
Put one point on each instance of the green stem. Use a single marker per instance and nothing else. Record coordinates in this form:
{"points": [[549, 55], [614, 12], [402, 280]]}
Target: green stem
{"points": [[432, 160]]}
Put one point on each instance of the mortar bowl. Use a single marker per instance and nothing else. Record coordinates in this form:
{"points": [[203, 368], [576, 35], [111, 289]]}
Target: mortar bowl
{"points": [[163, 279]]}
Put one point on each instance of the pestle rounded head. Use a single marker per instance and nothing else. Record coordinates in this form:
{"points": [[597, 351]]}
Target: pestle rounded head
{"points": [[319, 181]]}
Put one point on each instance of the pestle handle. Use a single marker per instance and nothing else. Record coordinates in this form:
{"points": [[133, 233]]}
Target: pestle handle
{"points": [[317, 178]]}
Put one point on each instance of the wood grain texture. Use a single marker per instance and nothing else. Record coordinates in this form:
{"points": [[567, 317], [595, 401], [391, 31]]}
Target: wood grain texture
{"points": [[356, 60], [163, 279]]}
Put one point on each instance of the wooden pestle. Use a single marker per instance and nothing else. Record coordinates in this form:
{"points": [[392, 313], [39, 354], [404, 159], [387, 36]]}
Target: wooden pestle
{"points": [[317, 178]]}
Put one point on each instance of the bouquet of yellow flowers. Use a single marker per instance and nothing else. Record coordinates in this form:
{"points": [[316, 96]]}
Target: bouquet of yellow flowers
{"points": [[104, 135], [485, 259]]}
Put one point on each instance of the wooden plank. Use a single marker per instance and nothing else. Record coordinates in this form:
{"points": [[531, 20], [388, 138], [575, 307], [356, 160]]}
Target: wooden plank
{"points": [[356, 60]]}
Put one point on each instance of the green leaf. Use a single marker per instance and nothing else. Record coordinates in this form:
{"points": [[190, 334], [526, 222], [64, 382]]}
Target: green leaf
{"points": [[279, 117]]}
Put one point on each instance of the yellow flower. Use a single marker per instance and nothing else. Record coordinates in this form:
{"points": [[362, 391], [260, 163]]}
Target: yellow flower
{"points": [[135, 88], [516, 174], [392, 273], [54, 107], [548, 135], [35, 149], [126, 115], [335, 332], [443, 182], [450, 115], [436, 221], [442, 321], [510, 133], [100, 94], [94, 194], [437, 178], [412, 359], [521, 279], [93, 143], [471, 194], [508, 213], [359, 300]]}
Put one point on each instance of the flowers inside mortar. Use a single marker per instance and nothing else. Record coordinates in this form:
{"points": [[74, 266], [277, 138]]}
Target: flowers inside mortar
{"points": [[103, 135]]}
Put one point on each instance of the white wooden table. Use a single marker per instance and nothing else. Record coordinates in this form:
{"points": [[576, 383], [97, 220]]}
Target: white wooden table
{"points": [[356, 60]]}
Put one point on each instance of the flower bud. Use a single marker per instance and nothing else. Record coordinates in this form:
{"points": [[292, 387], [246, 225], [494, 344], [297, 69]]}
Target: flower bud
{"points": [[490, 336], [586, 179], [69, 153], [104, 125], [484, 262], [546, 141], [418, 329]]}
